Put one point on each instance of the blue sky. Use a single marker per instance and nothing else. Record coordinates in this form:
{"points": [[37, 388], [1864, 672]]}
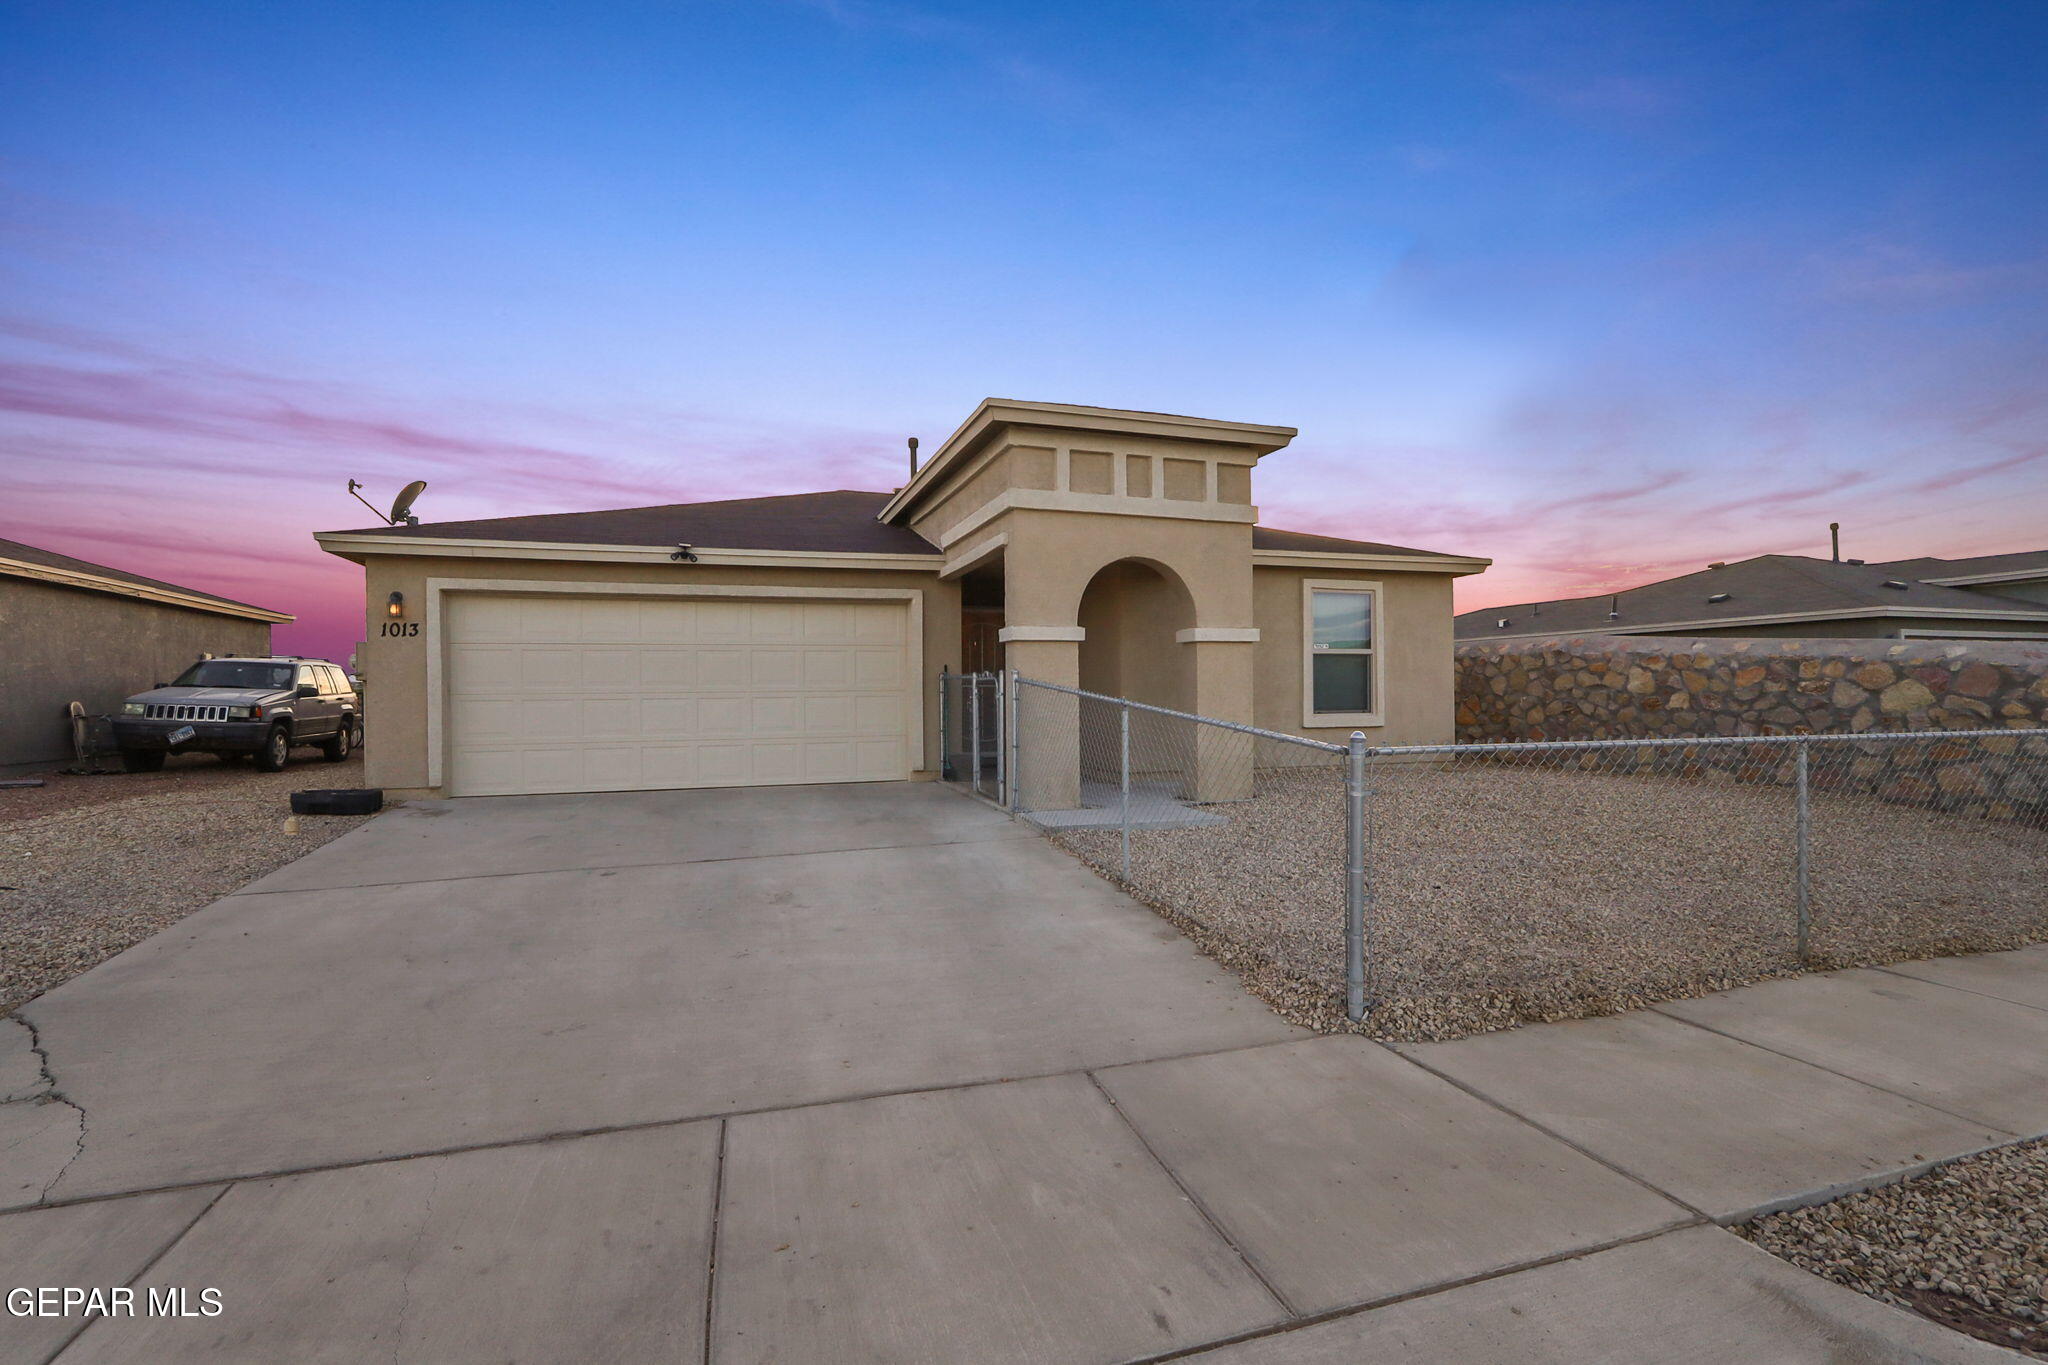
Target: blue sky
{"points": [[1603, 291]]}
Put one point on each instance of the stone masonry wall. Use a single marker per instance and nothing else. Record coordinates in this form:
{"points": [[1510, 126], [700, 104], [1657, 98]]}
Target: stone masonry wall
{"points": [[1625, 687], [1630, 687]]}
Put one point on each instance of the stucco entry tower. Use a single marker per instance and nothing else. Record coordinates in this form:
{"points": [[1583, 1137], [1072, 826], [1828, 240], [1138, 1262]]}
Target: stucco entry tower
{"points": [[1122, 542]]}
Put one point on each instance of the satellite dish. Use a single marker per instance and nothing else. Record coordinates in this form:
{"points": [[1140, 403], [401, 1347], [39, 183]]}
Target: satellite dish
{"points": [[401, 510]]}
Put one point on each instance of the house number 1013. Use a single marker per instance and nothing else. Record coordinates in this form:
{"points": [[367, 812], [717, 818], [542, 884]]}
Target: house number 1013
{"points": [[400, 628]]}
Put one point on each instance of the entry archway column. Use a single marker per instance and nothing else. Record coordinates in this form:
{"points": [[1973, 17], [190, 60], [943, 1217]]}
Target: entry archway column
{"points": [[1222, 672], [1048, 723]]}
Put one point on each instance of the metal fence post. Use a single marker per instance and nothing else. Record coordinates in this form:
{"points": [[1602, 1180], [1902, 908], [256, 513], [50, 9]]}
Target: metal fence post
{"points": [[1002, 720], [1016, 741], [1802, 832], [945, 740], [1354, 878], [1123, 719], [974, 732]]}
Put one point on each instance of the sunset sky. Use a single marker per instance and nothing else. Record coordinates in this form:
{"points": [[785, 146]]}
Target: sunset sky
{"points": [[1603, 291]]}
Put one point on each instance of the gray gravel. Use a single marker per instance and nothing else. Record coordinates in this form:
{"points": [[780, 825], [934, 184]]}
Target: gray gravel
{"points": [[1965, 1244], [78, 886], [1505, 895]]}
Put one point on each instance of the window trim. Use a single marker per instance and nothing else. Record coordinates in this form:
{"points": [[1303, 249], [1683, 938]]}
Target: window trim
{"points": [[1312, 719]]}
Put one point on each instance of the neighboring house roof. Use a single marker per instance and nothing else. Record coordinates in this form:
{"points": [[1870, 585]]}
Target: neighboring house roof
{"points": [[1767, 588], [2027, 564], [18, 560], [839, 522]]}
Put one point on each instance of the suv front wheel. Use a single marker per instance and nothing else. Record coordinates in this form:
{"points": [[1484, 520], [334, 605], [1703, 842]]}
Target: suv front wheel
{"points": [[277, 747]]}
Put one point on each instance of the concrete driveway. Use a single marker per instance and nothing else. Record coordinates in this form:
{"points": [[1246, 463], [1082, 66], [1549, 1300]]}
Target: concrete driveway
{"points": [[463, 973], [873, 1074]]}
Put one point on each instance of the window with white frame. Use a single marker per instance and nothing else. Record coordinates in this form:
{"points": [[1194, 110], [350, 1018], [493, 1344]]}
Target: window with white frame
{"points": [[1341, 671]]}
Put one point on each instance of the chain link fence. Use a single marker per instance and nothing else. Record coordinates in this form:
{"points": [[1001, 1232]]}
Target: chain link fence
{"points": [[1447, 889]]}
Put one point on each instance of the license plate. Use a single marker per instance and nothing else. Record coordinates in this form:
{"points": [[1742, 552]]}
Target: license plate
{"points": [[180, 735]]}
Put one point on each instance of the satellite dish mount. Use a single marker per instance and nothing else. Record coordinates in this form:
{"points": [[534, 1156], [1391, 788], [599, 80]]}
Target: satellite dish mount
{"points": [[401, 510]]}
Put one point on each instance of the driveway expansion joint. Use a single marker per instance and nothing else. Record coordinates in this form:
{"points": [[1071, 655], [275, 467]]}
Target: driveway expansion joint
{"points": [[1950, 985], [1697, 1214], [1194, 1200], [1352, 1310], [605, 1130], [616, 867], [1971, 1119]]}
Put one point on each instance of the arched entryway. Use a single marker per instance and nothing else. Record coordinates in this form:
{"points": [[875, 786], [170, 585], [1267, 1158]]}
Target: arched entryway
{"points": [[1131, 613]]}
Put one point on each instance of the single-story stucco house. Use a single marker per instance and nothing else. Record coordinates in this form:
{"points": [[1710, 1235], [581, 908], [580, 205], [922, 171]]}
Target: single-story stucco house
{"points": [[75, 631], [801, 638]]}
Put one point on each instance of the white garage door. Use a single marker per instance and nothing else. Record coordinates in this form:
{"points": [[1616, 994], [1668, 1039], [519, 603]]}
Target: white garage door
{"points": [[567, 694]]}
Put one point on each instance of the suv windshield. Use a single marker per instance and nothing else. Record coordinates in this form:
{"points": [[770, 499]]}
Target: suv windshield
{"points": [[235, 673]]}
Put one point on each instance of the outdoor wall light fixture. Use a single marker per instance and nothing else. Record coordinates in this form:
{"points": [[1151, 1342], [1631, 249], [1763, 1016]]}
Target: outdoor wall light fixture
{"points": [[395, 604]]}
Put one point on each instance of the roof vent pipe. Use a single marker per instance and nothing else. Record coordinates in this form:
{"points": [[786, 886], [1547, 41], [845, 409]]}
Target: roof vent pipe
{"points": [[1835, 537], [913, 457], [1614, 607]]}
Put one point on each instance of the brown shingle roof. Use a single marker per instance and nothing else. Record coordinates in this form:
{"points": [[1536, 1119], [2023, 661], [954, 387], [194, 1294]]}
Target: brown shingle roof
{"points": [[50, 559], [842, 521]]}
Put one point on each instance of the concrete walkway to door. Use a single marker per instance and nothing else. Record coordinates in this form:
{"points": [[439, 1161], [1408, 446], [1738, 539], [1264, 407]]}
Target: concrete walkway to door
{"points": [[873, 1074]]}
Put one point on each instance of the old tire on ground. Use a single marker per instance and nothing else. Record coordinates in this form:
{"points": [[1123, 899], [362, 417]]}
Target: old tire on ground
{"points": [[337, 749], [277, 747], [338, 801], [142, 760]]}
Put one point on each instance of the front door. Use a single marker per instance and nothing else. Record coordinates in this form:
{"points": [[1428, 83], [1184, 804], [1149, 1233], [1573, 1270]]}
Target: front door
{"points": [[981, 648]]}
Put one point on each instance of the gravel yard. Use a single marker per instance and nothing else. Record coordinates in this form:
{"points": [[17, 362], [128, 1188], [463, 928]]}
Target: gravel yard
{"points": [[1966, 1244], [1503, 894], [92, 865]]}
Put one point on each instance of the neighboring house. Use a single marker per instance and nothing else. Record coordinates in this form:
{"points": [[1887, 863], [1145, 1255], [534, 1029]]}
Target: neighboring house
{"points": [[1995, 597], [75, 631], [801, 638]]}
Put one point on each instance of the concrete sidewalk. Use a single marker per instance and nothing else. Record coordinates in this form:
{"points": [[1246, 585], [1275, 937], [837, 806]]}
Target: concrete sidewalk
{"points": [[498, 1082]]}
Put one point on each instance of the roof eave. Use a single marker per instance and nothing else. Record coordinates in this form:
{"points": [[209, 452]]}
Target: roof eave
{"points": [[120, 587]]}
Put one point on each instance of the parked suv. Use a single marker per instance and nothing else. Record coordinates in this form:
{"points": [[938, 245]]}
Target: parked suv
{"points": [[231, 707]]}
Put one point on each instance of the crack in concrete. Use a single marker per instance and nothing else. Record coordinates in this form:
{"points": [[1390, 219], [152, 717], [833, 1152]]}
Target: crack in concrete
{"points": [[412, 1257], [51, 1093]]}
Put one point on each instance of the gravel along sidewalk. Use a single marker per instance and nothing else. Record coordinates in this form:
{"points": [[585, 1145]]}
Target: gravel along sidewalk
{"points": [[1502, 895], [1965, 1244], [82, 883]]}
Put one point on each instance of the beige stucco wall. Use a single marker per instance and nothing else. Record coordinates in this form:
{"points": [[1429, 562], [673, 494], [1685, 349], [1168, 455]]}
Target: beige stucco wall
{"points": [[1031, 457], [1419, 676], [395, 669]]}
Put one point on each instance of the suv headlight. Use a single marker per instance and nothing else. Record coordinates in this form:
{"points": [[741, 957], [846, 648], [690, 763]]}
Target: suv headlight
{"points": [[244, 712], [133, 708]]}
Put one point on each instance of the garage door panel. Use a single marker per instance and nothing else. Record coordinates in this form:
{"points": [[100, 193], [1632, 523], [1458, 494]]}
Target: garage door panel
{"points": [[773, 717], [878, 668], [547, 669], [775, 622], [473, 668], [605, 621], [722, 667], [607, 666], [665, 719], [877, 714], [723, 717], [551, 693], [781, 668], [877, 760]]}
